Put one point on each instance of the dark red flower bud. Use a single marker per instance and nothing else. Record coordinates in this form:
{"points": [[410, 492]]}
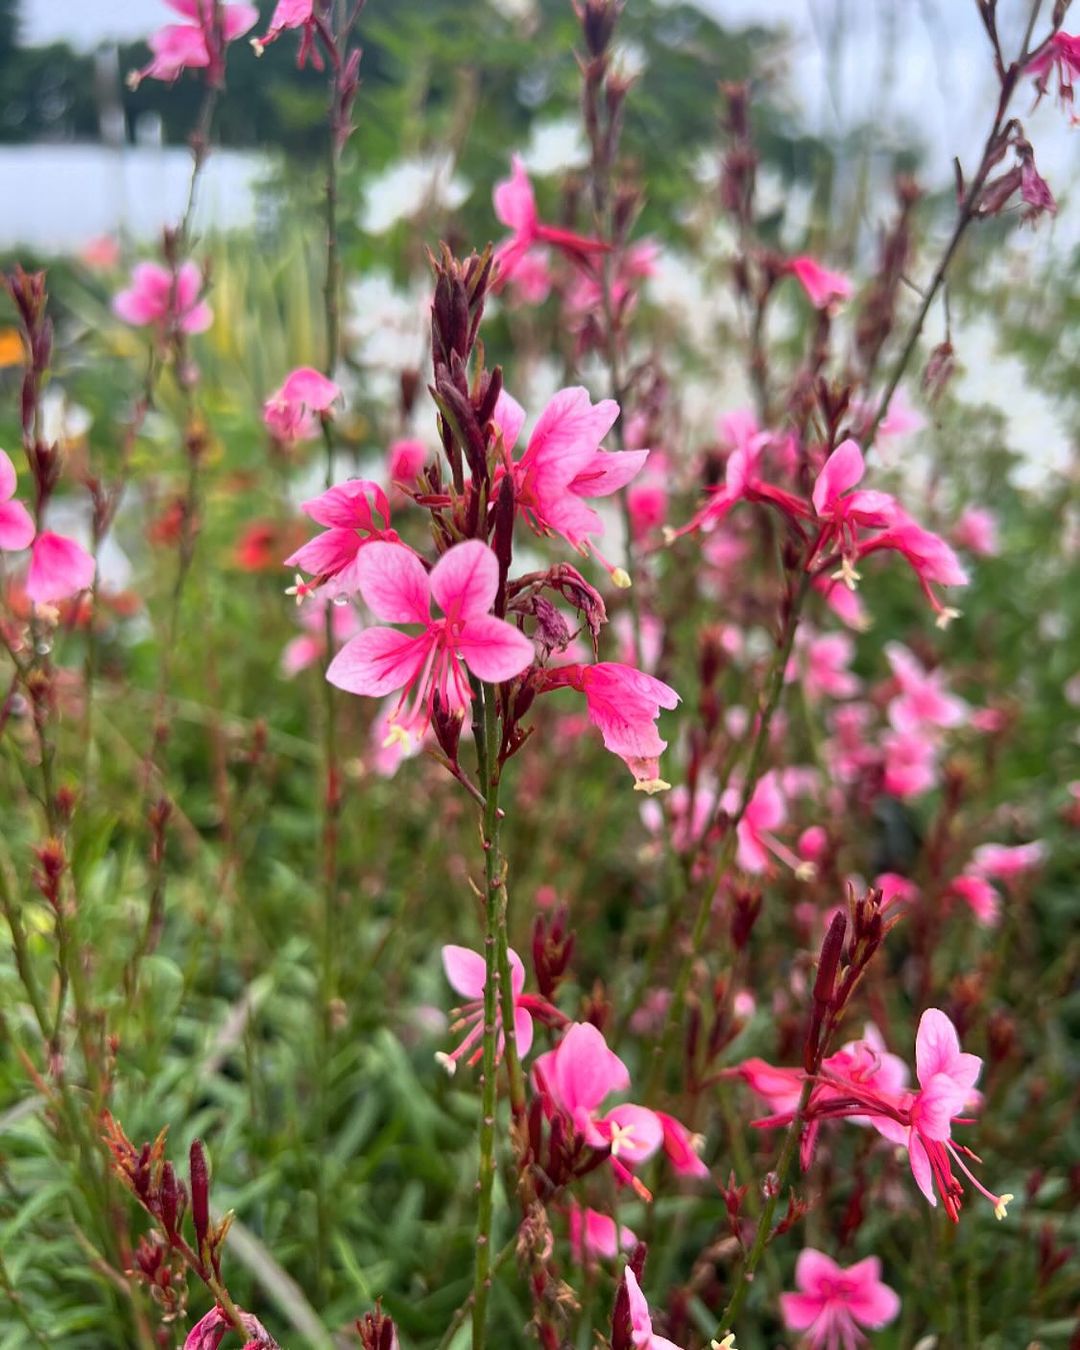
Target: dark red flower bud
{"points": [[200, 1194]]}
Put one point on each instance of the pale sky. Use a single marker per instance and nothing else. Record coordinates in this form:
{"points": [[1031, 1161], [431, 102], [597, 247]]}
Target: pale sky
{"points": [[908, 64]]}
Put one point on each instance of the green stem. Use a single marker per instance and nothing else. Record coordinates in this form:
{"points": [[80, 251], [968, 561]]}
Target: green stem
{"points": [[458, 1319], [498, 1003], [494, 908], [328, 967]]}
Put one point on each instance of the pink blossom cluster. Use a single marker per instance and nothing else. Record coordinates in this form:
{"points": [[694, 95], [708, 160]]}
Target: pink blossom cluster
{"points": [[840, 523], [865, 1084], [359, 553]]}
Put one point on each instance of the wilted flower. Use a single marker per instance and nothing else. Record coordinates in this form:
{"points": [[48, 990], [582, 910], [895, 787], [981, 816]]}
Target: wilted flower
{"points": [[624, 704]]}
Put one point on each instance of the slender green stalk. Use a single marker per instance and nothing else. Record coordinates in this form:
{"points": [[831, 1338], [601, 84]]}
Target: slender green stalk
{"points": [[498, 1004], [458, 1320], [331, 793], [494, 909]]}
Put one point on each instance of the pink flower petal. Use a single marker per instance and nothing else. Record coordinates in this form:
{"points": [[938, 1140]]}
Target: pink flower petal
{"points": [[813, 1270], [59, 568], [509, 417], [800, 1311], [570, 429], [493, 649], [349, 505], [920, 1167], [843, 469], [608, 471], [870, 1301], [310, 387], [394, 584], [515, 204], [16, 526], [637, 1133], [237, 19], [9, 480], [466, 971], [465, 580], [523, 1032], [378, 661]]}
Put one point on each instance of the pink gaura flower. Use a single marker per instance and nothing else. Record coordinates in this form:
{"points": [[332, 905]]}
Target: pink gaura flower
{"points": [[593, 1234], [842, 511], [765, 812], [16, 523], [895, 889], [355, 513], [977, 532], [519, 258], [467, 974], [157, 296], [577, 1076], [865, 1062], [211, 1330], [845, 603], [923, 704], [834, 1302], [910, 762], [922, 1120], [1004, 862], [623, 703], [293, 14], [1060, 55], [682, 1147], [641, 1332], [947, 1078], [979, 896], [195, 45], [292, 412], [463, 583], [823, 287], [563, 464], [822, 661], [928, 555], [59, 568], [404, 460], [742, 474]]}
